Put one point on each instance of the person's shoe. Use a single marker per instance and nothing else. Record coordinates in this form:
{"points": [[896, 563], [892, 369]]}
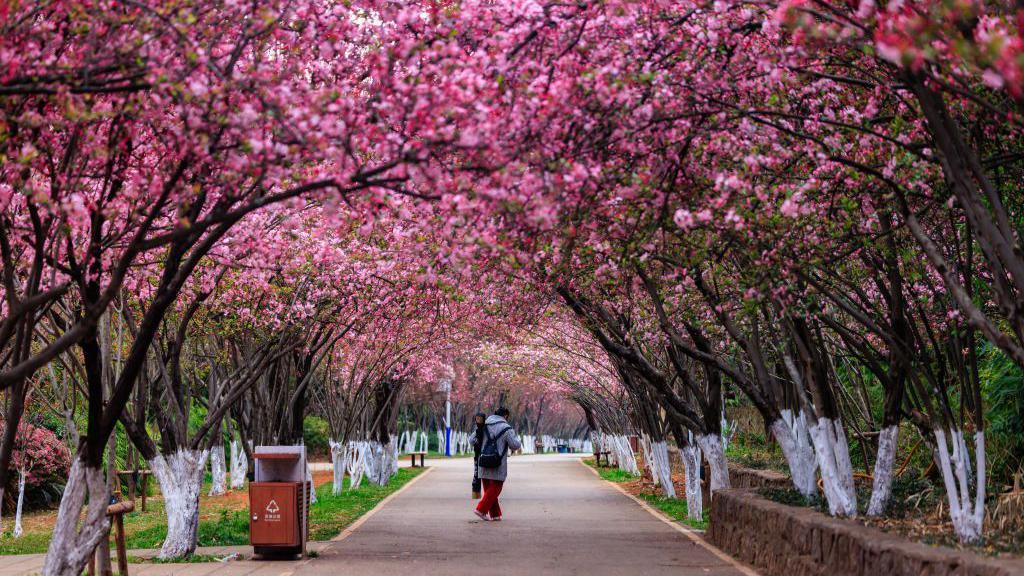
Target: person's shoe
{"points": [[495, 518], [481, 515]]}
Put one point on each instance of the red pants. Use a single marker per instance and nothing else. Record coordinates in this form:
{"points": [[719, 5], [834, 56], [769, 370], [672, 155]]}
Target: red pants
{"points": [[489, 503]]}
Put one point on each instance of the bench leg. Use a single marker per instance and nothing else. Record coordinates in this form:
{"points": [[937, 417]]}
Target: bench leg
{"points": [[122, 548]]}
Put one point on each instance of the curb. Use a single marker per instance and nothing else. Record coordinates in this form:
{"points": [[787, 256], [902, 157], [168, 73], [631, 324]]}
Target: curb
{"points": [[362, 519], [693, 535]]}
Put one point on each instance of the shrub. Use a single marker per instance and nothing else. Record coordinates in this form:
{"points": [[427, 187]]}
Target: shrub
{"points": [[316, 435]]}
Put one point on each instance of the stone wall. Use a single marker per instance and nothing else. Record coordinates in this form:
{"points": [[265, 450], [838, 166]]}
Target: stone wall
{"points": [[780, 540], [747, 479], [752, 478]]}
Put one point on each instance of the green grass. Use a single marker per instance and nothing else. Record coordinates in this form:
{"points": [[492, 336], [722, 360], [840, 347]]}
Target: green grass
{"points": [[676, 509], [332, 514], [223, 526], [610, 474], [29, 543]]}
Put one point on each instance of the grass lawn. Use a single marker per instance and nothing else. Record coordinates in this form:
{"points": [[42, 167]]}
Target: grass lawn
{"points": [[674, 508], [223, 520]]}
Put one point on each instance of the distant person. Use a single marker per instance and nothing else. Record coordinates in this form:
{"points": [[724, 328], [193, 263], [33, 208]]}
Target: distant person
{"points": [[478, 445], [499, 438]]}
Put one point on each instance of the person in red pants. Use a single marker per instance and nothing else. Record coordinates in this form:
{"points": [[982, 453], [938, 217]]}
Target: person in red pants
{"points": [[497, 431]]}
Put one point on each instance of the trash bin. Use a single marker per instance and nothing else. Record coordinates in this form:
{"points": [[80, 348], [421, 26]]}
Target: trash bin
{"points": [[562, 448], [279, 502]]}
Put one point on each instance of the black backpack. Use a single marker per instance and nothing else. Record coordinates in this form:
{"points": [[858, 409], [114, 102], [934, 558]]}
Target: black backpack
{"points": [[489, 456]]}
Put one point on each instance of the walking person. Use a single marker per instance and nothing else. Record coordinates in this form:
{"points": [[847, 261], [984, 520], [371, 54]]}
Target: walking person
{"points": [[478, 444], [499, 438]]}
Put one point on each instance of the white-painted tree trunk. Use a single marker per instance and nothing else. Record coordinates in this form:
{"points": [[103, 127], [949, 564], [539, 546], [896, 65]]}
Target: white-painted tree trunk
{"points": [[218, 472], [73, 541], [624, 455], [355, 464], [181, 478], [663, 468], [714, 451], [833, 457], [690, 455], [791, 433], [967, 516], [239, 466], [312, 484], [645, 447], [881, 484], [339, 462], [21, 500]]}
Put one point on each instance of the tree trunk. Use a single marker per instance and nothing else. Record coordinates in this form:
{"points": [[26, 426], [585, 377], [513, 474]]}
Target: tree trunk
{"points": [[791, 434], [218, 471], [711, 445], [181, 477], [663, 469], [239, 466], [967, 516], [339, 460], [691, 463], [833, 456], [73, 542], [881, 486], [21, 500]]}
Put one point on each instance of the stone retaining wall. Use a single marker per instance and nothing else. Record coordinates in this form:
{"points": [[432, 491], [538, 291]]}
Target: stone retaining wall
{"points": [[752, 478], [780, 540]]}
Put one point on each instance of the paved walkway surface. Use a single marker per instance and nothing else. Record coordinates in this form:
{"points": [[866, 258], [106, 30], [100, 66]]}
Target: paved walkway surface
{"points": [[560, 518]]}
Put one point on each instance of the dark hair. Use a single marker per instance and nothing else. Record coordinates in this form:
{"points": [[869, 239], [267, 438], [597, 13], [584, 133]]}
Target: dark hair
{"points": [[503, 412]]}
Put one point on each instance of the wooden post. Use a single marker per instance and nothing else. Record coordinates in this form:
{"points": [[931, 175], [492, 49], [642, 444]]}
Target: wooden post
{"points": [[145, 481], [117, 511], [122, 546]]}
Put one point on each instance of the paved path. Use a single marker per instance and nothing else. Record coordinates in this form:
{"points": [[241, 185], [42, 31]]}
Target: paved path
{"points": [[559, 518]]}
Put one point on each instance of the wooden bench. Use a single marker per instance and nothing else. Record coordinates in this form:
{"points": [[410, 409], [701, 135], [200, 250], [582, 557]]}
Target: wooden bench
{"points": [[423, 459], [116, 512], [131, 476], [606, 455]]}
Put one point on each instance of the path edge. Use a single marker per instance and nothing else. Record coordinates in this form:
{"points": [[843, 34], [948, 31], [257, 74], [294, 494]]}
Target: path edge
{"points": [[693, 535], [362, 519]]}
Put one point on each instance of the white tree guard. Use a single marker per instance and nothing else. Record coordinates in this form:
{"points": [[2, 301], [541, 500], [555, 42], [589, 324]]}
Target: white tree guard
{"points": [[181, 478], [21, 499], [624, 455], [312, 485], [339, 464], [529, 443], [73, 542], [218, 472], [690, 455], [424, 442], [357, 453], [791, 433], [833, 456], [881, 484], [663, 468], [645, 447], [728, 430], [967, 516], [713, 446], [239, 466]]}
